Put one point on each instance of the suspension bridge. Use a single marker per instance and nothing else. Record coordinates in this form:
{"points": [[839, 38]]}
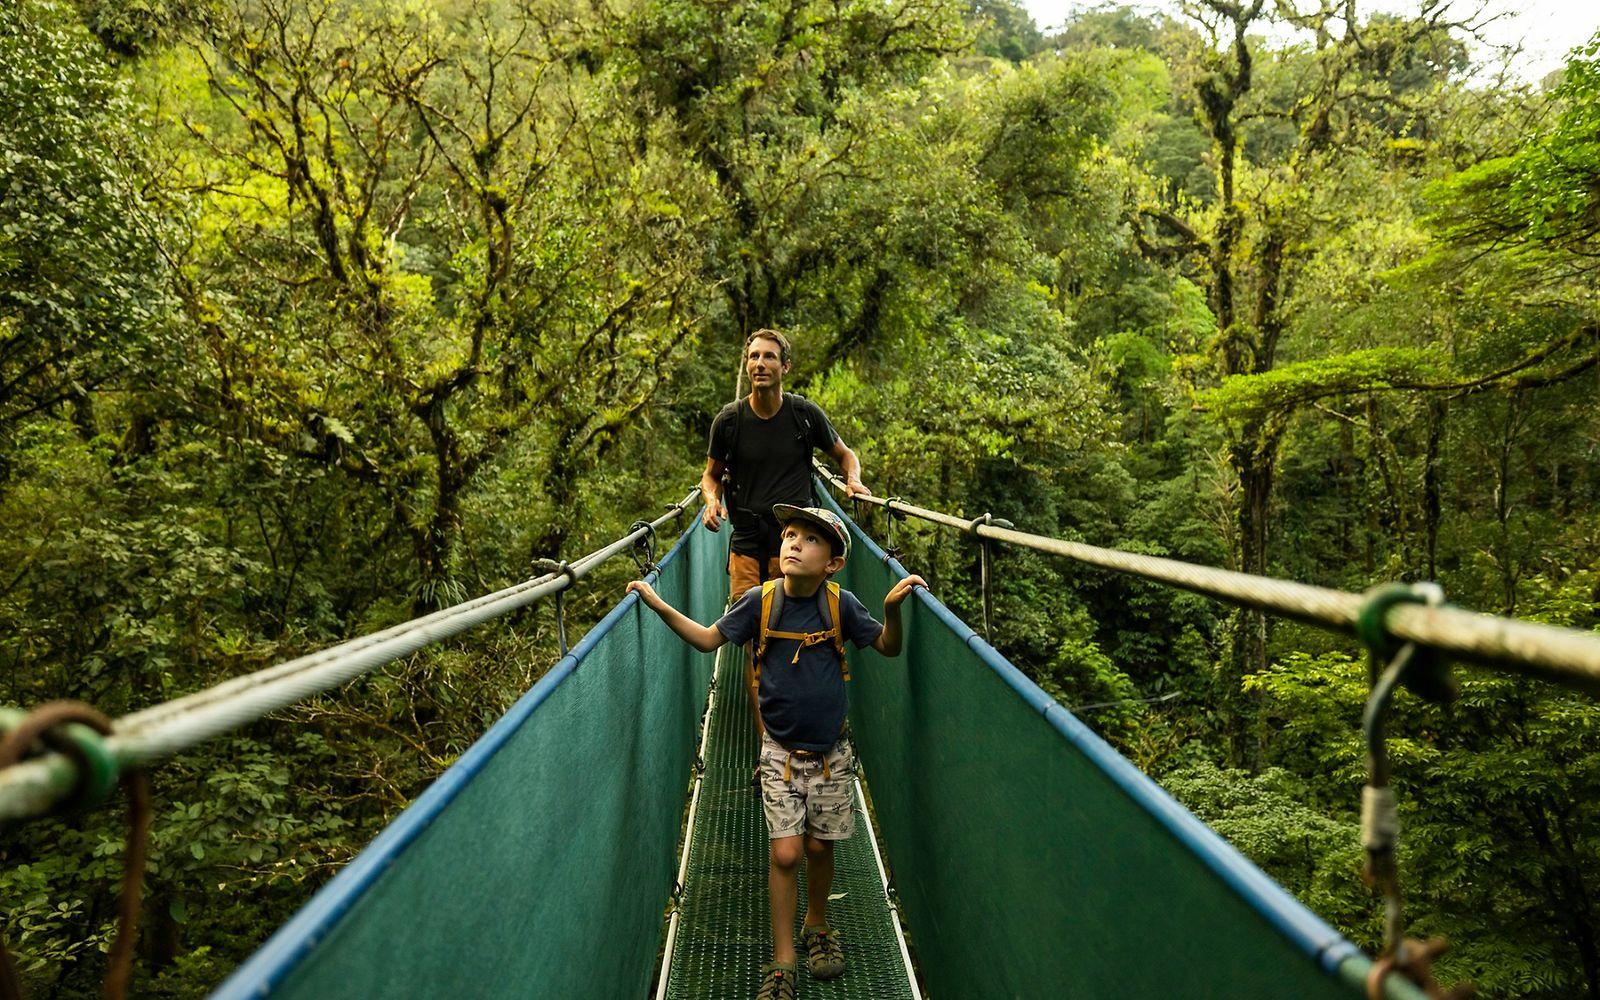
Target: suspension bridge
{"points": [[602, 839]]}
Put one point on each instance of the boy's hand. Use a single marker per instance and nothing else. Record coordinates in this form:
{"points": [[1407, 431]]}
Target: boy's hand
{"points": [[646, 592], [888, 641], [705, 638], [902, 590]]}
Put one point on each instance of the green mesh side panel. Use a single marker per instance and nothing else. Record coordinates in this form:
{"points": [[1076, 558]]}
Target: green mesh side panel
{"points": [[723, 935], [1023, 870], [548, 873], [540, 864]]}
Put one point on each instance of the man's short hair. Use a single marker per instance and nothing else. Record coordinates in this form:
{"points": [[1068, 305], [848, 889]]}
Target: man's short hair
{"points": [[775, 337]]}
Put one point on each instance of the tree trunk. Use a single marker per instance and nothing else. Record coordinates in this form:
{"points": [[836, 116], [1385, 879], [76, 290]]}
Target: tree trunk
{"points": [[1254, 458], [84, 419], [1432, 505], [1567, 887], [1504, 555], [435, 546]]}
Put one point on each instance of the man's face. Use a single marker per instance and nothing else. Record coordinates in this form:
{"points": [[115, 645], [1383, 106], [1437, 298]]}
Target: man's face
{"points": [[764, 364], [805, 551]]}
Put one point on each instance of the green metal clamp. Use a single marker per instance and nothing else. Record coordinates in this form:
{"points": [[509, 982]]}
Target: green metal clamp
{"points": [[1425, 674], [95, 767]]}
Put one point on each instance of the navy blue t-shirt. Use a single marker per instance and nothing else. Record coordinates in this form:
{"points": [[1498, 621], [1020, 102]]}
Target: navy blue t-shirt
{"points": [[802, 704]]}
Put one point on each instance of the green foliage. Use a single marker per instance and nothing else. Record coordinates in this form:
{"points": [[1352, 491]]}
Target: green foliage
{"points": [[1272, 817], [1537, 205], [1006, 30], [1521, 222], [1501, 781], [80, 293], [313, 315], [1112, 27], [1554, 177], [1283, 389]]}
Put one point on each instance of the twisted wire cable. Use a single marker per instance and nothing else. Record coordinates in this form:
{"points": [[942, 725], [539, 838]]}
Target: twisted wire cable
{"points": [[33, 787], [1563, 655]]}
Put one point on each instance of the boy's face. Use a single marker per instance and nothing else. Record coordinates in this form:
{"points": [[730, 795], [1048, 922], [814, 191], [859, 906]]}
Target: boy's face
{"points": [[805, 551]]}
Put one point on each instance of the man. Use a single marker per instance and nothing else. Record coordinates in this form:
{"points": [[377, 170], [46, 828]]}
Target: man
{"points": [[762, 445]]}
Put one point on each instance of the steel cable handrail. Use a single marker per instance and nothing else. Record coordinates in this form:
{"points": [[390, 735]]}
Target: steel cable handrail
{"points": [[1563, 655], [36, 786]]}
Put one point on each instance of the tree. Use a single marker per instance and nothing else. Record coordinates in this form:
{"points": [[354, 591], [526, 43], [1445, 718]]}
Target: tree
{"points": [[1497, 796], [1528, 223], [759, 94], [79, 296], [418, 241], [1273, 131], [1006, 30]]}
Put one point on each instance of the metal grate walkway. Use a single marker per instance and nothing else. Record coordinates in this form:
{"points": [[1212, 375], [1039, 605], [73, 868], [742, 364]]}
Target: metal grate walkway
{"points": [[723, 938]]}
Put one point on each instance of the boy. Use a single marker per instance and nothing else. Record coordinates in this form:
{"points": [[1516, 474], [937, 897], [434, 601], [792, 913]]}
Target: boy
{"points": [[807, 761]]}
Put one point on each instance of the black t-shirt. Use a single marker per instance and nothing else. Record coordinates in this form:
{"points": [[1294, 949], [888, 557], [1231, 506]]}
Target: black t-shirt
{"points": [[770, 462]]}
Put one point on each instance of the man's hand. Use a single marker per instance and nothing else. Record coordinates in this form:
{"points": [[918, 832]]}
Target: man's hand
{"points": [[902, 590], [714, 514], [855, 488]]}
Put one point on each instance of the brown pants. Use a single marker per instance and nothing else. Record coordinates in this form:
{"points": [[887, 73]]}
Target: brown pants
{"points": [[745, 572]]}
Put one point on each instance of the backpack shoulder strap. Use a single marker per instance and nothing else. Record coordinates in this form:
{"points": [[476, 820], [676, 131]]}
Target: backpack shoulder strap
{"points": [[829, 610], [828, 605], [801, 411], [771, 611], [738, 407], [725, 427]]}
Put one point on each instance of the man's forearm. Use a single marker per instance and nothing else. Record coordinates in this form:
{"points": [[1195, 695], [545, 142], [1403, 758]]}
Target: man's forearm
{"points": [[710, 489], [850, 465]]}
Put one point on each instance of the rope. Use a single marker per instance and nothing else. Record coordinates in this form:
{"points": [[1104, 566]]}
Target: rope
{"points": [[889, 514], [644, 550], [1391, 664], [1415, 965], [1156, 700], [1563, 655], [50, 724], [560, 567], [34, 787]]}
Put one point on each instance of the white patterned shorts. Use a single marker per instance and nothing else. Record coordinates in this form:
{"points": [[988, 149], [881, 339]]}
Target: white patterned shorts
{"points": [[803, 792]]}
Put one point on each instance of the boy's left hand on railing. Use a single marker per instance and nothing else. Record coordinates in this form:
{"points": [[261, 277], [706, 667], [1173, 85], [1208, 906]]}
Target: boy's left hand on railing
{"points": [[902, 590]]}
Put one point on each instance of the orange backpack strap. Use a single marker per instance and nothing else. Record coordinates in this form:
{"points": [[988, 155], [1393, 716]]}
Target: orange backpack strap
{"points": [[772, 611], [766, 622], [836, 627]]}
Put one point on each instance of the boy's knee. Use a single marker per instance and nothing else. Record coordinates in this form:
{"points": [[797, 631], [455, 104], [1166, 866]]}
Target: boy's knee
{"points": [[818, 850], [786, 852]]}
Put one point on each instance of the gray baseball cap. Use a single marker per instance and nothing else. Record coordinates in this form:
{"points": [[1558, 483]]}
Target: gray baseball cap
{"points": [[825, 519]]}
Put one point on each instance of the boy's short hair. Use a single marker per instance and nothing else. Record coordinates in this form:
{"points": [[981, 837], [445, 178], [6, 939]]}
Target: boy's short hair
{"points": [[833, 527], [773, 335]]}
